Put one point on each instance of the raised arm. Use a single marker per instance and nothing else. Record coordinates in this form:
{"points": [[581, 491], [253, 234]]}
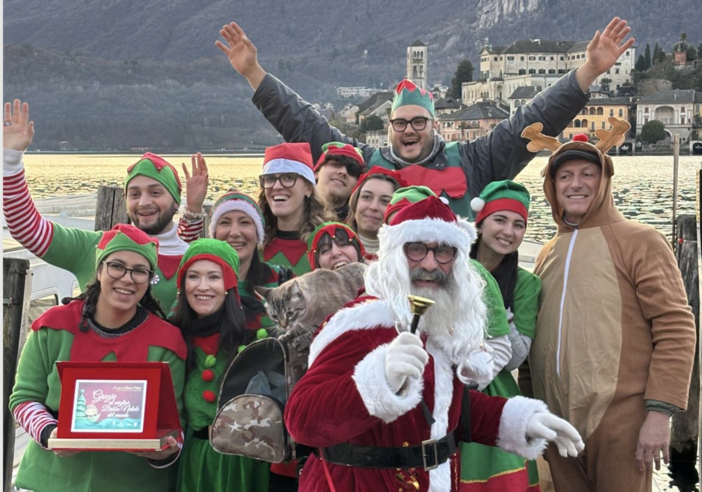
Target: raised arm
{"points": [[24, 222], [196, 184], [295, 119], [502, 153]]}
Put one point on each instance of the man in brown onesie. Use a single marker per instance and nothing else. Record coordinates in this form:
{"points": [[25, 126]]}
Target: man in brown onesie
{"points": [[615, 338]]}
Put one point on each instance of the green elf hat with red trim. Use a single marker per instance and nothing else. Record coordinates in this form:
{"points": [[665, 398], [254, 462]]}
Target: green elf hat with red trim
{"points": [[330, 228], [340, 148], [501, 195], [407, 196], [236, 200], [126, 237], [407, 93], [157, 168], [289, 158], [375, 171], [213, 250]]}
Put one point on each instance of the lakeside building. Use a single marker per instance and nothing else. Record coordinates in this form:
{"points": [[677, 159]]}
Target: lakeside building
{"points": [[535, 62], [676, 109], [595, 116], [471, 122], [447, 105], [354, 92], [377, 138]]}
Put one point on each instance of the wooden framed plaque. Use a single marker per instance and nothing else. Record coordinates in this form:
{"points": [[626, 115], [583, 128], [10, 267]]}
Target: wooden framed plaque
{"points": [[111, 406]]}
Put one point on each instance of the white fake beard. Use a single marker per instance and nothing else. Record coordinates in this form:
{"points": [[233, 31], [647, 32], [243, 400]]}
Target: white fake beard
{"points": [[441, 317]]}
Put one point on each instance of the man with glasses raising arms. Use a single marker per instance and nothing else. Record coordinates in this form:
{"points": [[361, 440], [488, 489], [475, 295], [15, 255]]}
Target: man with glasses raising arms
{"points": [[456, 171]]}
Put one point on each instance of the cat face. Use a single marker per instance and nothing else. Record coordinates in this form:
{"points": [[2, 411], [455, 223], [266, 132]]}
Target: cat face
{"points": [[286, 305]]}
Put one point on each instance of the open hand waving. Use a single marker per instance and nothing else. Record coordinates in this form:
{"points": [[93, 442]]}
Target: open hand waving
{"points": [[17, 131], [242, 53]]}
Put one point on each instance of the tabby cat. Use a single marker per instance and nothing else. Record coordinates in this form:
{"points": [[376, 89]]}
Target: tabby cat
{"points": [[300, 305]]}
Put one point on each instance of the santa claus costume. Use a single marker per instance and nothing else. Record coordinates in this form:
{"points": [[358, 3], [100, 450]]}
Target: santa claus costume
{"points": [[371, 436]]}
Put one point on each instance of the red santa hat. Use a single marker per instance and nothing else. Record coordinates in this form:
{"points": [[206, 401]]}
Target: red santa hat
{"points": [[289, 158], [428, 220]]}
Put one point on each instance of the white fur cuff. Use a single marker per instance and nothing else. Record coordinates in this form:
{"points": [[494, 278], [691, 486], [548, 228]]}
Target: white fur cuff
{"points": [[379, 399], [512, 434]]}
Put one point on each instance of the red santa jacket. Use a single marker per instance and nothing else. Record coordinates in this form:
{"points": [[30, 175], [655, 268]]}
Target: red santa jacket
{"points": [[345, 398]]}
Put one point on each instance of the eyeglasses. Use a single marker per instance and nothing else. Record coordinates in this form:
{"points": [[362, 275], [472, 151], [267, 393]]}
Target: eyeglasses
{"points": [[117, 271], [287, 180], [419, 251], [419, 123]]}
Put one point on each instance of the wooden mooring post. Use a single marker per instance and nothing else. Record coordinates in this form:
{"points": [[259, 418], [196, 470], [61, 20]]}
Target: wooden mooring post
{"points": [[111, 208], [16, 294], [685, 430]]}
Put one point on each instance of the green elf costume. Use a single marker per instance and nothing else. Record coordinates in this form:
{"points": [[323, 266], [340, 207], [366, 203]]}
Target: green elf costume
{"points": [[202, 468], [486, 468], [64, 334], [457, 171], [331, 230], [287, 248], [274, 275]]}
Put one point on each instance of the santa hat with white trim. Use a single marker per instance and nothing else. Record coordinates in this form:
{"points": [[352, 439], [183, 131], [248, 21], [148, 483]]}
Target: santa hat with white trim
{"points": [[289, 158], [428, 220], [236, 200]]}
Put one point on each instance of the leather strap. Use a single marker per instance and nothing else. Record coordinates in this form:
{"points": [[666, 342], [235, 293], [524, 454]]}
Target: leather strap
{"points": [[428, 455]]}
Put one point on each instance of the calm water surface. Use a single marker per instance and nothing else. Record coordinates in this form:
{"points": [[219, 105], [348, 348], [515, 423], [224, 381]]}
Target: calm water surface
{"points": [[643, 185]]}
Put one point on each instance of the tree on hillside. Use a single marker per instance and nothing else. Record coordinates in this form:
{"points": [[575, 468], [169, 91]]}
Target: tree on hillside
{"points": [[371, 123], [660, 57], [653, 131], [464, 73], [648, 56], [640, 63], [604, 84], [691, 53], [656, 50], [699, 50]]}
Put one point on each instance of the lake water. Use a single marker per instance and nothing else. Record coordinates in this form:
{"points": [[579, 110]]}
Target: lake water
{"points": [[643, 185]]}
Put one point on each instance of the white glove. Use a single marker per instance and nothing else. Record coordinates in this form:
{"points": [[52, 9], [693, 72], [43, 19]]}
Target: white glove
{"points": [[547, 426], [478, 367], [405, 358]]}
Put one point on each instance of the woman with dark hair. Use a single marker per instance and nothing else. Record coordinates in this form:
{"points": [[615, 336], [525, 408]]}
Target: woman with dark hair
{"points": [[115, 319], [291, 205], [333, 245], [212, 320], [368, 202], [502, 211], [237, 219]]}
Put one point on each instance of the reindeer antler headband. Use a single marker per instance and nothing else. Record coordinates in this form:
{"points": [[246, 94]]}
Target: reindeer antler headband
{"points": [[608, 138]]}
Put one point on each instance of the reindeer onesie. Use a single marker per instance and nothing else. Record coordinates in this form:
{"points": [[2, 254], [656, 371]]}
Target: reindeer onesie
{"points": [[614, 331]]}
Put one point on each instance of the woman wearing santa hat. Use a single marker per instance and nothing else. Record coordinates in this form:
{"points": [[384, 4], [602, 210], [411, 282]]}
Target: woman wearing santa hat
{"points": [[292, 207]]}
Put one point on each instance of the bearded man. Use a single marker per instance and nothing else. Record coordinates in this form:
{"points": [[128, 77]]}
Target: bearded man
{"points": [[384, 408], [457, 171]]}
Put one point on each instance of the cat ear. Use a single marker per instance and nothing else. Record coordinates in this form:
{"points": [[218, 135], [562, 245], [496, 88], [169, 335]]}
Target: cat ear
{"points": [[262, 292], [296, 288]]}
